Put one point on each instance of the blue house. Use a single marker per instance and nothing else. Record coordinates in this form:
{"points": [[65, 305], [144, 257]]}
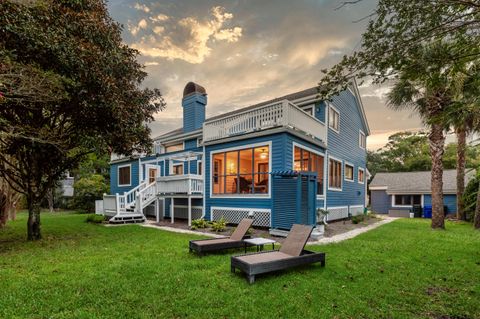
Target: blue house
{"points": [[396, 193], [276, 161]]}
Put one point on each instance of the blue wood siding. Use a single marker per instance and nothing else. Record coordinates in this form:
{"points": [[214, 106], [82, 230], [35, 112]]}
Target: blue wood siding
{"points": [[190, 144], [320, 111], [449, 200], [345, 147], [134, 177], [381, 202], [193, 112]]}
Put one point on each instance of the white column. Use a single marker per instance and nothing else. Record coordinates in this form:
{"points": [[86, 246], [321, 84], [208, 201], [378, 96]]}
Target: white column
{"points": [[189, 211], [172, 209], [157, 209]]}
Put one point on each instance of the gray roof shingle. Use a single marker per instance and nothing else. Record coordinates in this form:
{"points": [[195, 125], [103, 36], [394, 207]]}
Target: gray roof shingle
{"points": [[417, 182]]}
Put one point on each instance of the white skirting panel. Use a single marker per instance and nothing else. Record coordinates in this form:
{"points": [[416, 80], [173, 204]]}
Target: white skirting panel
{"points": [[233, 215]]}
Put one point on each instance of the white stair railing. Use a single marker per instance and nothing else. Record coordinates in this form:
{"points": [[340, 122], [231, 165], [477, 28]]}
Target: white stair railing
{"points": [[145, 196]]}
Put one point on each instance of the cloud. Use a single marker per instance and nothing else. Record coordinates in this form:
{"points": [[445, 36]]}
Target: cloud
{"points": [[160, 18], [142, 24], [190, 39], [141, 7]]}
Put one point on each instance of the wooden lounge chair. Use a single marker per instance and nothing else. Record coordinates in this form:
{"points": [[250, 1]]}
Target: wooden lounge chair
{"points": [[234, 241], [291, 254]]}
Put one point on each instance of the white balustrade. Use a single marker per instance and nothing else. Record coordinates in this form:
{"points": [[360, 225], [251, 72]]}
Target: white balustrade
{"points": [[282, 113], [181, 184]]}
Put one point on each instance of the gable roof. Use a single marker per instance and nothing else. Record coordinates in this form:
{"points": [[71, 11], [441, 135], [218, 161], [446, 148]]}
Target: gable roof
{"points": [[416, 182]]}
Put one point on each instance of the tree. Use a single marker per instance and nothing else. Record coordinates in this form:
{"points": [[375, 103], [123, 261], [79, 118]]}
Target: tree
{"points": [[68, 87], [87, 190], [395, 47]]}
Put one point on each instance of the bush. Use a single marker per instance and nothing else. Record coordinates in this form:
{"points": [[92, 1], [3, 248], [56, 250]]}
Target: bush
{"points": [[199, 223], [358, 218], [95, 219], [87, 190], [219, 225], [470, 198]]}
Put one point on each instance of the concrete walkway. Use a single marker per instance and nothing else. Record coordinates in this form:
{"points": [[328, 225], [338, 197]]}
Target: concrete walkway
{"points": [[351, 234]]}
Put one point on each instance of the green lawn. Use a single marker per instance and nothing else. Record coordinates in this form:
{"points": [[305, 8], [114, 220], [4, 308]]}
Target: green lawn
{"points": [[80, 270]]}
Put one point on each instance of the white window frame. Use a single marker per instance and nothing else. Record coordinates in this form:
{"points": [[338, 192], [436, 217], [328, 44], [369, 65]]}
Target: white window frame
{"points": [[172, 168], [309, 109], [199, 141], [362, 138], [118, 175], [198, 167], [334, 109], [406, 206], [344, 170], [238, 148], [331, 188], [358, 175], [295, 144]]}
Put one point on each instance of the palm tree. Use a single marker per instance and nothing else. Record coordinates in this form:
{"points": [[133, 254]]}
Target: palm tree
{"points": [[425, 88]]}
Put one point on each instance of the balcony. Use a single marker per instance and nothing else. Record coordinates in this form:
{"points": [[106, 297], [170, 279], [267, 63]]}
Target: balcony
{"points": [[190, 184], [279, 114]]}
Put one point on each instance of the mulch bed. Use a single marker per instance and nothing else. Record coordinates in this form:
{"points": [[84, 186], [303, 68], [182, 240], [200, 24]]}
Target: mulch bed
{"points": [[332, 229]]}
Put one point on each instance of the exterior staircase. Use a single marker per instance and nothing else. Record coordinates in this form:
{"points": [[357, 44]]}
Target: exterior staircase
{"points": [[131, 204]]}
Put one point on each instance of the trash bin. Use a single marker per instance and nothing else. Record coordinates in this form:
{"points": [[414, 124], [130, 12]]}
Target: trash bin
{"points": [[427, 211], [417, 211]]}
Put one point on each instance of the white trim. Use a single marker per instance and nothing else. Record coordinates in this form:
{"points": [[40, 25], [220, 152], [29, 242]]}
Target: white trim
{"points": [[238, 148], [345, 163], [360, 133], [330, 106], [118, 175], [378, 188], [204, 203], [337, 207], [315, 152], [358, 180], [198, 141], [150, 166], [335, 189], [360, 104], [406, 206], [310, 107]]}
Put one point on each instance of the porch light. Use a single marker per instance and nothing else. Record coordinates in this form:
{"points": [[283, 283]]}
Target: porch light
{"points": [[263, 154]]}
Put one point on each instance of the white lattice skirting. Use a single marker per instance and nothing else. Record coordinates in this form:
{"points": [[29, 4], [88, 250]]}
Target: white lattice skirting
{"points": [[261, 217], [182, 212], [342, 212]]}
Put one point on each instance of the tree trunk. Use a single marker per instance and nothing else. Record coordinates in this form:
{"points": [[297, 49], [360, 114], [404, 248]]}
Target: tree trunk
{"points": [[33, 224], [461, 148], [476, 218], [3, 210], [437, 141], [50, 200]]}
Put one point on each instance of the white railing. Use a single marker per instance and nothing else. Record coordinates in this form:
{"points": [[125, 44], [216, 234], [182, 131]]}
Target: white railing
{"points": [[181, 184], [130, 197], [282, 113], [145, 196]]}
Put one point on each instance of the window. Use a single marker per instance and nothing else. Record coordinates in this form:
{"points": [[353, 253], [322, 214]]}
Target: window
{"points": [[309, 162], [177, 169], [152, 175], [349, 172], [407, 200], [124, 175], [241, 171], [361, 175], [174, 148], [309, 109], [362, 140], [334, 174], [199, 167], [199, 142], [334, 119]]}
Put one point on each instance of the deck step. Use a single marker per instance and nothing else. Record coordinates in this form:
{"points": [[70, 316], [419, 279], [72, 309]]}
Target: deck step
{"points": [[127, 218]]}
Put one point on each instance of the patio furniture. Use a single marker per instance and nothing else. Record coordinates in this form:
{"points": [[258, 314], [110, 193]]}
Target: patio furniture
{"points": [[291, 254], [215, 244], [259, 243]]}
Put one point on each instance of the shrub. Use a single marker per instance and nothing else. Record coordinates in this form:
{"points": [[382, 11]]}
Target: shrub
{"points": [[219, 225], [95, 219], [199, 223], [470, 198], [358, 218], [87, 190]]}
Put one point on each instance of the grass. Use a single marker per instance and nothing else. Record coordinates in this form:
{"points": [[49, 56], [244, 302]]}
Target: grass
{"points": [[82, 270]]}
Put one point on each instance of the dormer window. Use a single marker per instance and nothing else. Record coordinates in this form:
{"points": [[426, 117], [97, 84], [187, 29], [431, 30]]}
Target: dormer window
{"points": [[334, 119]]}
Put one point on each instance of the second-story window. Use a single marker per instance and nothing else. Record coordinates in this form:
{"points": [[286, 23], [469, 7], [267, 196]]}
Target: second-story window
{"points": [[334, 174], [334, 119], [177, 169], [362, 140], [174, 148], [348, 172]]}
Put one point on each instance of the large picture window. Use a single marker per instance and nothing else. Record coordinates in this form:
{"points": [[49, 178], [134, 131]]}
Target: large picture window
{"points": [[124, 175], [407, 200], [241, 171], [307, 161], [334, 174]]}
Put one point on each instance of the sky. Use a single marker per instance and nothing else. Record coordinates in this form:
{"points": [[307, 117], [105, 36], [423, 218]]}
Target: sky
{"points": [[247, 51]]}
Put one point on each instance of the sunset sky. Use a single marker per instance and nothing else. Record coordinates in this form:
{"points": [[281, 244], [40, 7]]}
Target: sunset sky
{"points": [[245, 52]]}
